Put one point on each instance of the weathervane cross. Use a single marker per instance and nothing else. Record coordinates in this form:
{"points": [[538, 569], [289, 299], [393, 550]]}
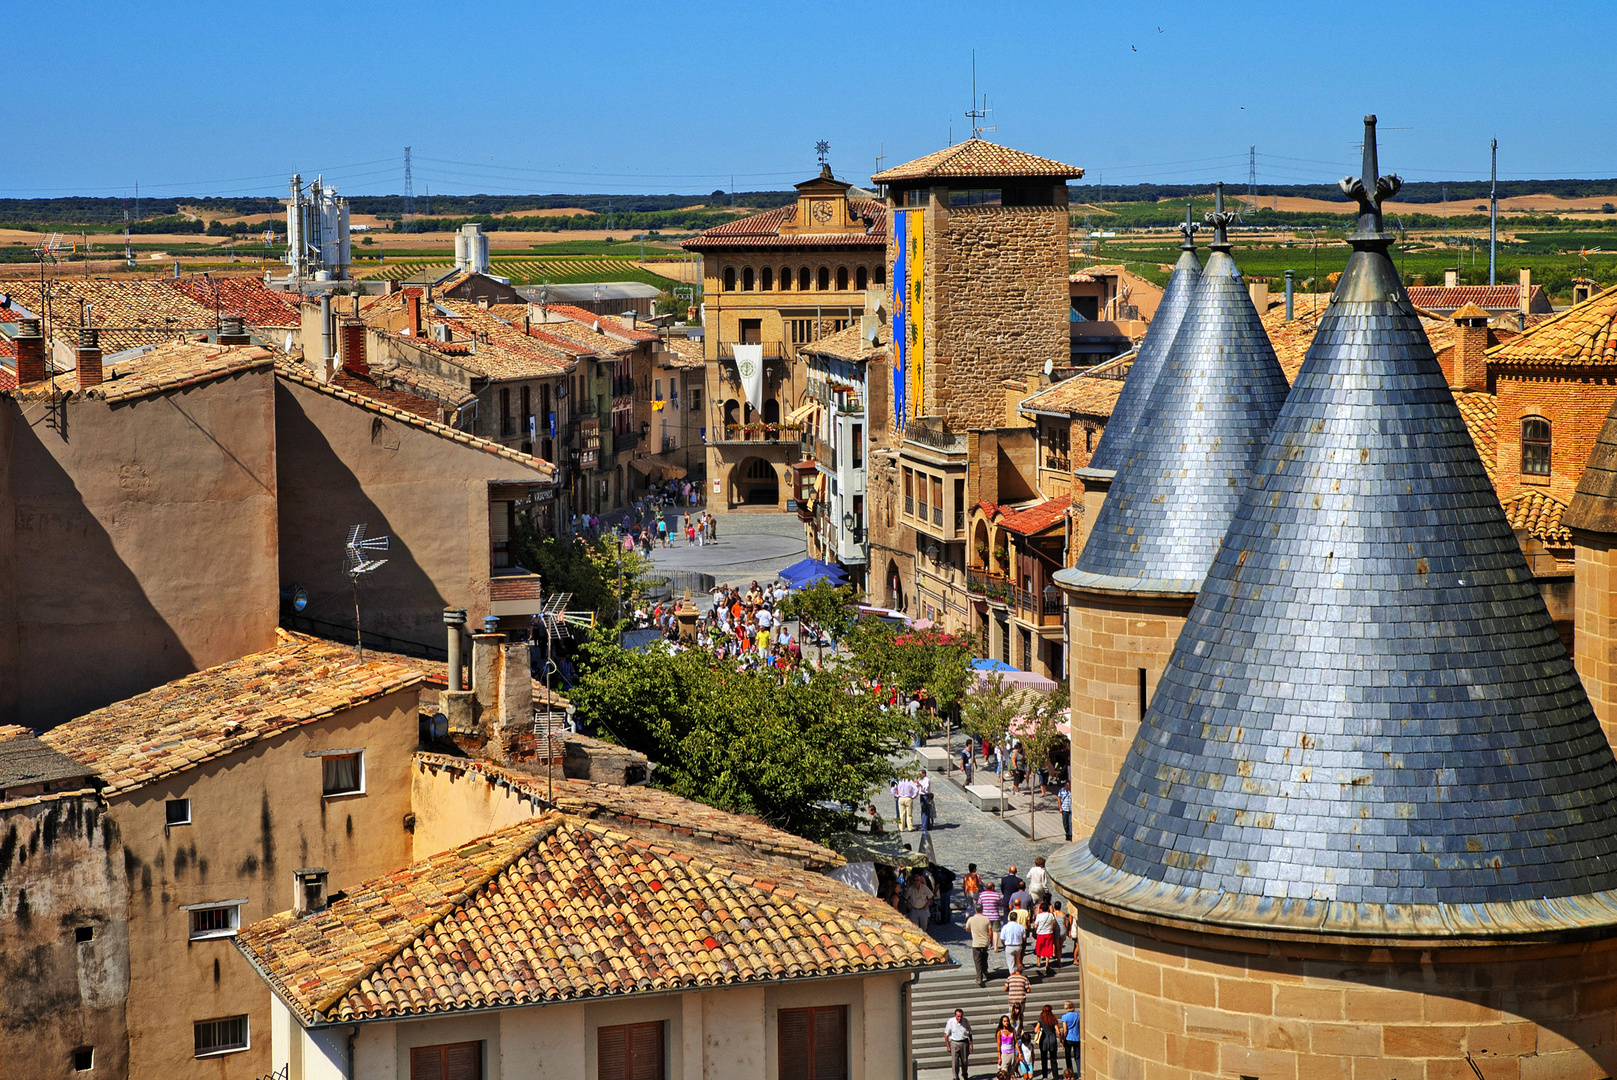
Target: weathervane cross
{"points": [[1369, 189]]}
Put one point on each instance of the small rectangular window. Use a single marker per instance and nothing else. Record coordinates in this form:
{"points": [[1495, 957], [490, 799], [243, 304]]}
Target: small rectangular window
{"points": [[813, 1042], [630, 1051], [177, 812], [84, 1059], [858, 446], [225, 1035], [451, 1061], [81, 934], [344, 774], [222, 920], [1143, 701]]}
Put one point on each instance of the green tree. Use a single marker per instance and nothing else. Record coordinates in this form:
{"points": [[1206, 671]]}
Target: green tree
{"points": [[988, 714], [910, 660], [826, 606], [595, 571], [1040, 736], [803, 753]]}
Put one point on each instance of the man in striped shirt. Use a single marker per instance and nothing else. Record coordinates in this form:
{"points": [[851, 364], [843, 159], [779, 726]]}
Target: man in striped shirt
{"points": [[992, 903]]}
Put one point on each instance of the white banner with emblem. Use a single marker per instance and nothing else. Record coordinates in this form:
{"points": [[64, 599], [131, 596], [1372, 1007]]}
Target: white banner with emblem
{"points": [[750, 366]]}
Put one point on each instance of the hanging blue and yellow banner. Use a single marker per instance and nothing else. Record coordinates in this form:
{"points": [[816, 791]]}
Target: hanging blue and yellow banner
{"points": [[909, 346]]}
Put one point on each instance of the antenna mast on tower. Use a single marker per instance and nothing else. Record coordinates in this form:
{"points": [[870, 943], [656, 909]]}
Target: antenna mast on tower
{"points": [[976, 115]]}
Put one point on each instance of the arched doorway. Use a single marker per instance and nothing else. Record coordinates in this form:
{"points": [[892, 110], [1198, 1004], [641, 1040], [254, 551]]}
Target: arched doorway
{"points": [[895, 587], [756, 483]]}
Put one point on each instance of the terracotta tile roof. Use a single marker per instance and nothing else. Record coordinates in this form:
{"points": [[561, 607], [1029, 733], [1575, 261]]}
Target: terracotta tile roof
{"points": [[220, 710], [1468, 310], [684, 352], [1493, 298], [8, 379], [1539, 514], [611, 325], [117, 303], [395, 375], [1028, 520], [847, 344], [977, 159], [1083, 395], [1581, 336], [25, 761], [403, 400], [763, 230], [560, 909], [243, 296], [648, 807], [1481, 414], [302, 376], [15, 731], [172, 365], [502, 351]]}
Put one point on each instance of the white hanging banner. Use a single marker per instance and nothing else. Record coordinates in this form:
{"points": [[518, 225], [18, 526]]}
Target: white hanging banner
{"points": [[750, 366]]}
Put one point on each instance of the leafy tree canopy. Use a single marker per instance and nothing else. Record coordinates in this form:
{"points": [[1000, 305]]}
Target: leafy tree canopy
{"points": [[911, 660]]}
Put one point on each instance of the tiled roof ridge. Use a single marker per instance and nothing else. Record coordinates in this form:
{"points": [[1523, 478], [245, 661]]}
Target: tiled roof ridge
{"points": [[288, 370], [763, 228], [540, 829], [1600, 310], [1540, 514], [611, 325], [977, 157], [128, 388]]}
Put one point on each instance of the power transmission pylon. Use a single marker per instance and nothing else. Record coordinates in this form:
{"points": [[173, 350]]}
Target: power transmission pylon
{"points": [[409, 194]]}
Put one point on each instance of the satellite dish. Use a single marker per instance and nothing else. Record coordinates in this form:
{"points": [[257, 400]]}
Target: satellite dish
{"points": [[873, 335], [1049, 366]]}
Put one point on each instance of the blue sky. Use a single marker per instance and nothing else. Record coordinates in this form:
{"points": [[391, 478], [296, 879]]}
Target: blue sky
{"points": [[193, 98]]}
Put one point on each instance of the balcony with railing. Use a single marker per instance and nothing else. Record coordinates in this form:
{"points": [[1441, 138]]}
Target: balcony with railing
{"points": [[773, 350], [1032, 606], [929, 432], [758, 431]]}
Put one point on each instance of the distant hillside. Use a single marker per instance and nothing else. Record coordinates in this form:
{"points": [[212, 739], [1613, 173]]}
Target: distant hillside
{"points": [[1422, 192]]}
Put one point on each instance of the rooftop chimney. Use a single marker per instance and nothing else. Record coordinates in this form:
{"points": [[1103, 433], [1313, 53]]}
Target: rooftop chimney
{"points": [[30, 352], [1468, 361], [412, 307], [1291, 283], [502, 681], [630, 318], [1526, 288], [1451, 279], [308, 890], [232, 331], [88, 362], [352, 340]]}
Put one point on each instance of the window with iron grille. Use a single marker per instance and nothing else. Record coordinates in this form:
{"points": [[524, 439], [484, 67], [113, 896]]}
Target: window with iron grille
{"points": [[213, 922], [1536, 446], [630, 1052], [225, 1035], [813, 1043]]}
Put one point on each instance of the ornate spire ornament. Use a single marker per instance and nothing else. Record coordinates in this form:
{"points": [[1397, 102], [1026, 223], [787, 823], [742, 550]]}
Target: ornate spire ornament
{"points": [[1220, 219]]}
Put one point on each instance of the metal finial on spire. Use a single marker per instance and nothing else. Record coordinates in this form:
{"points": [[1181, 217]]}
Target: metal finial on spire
{"points": [[1220, 221], [1189, 229], [1370, 191]]}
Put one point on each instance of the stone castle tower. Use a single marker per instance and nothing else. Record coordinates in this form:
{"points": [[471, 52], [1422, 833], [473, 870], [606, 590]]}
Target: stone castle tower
{"points": [[977, 243], [1369, 825], [1210, 401]]}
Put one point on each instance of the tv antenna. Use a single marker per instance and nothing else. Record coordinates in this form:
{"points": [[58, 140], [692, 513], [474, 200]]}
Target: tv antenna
{"points": [[358, 552], [975, 115], [557, 622]]}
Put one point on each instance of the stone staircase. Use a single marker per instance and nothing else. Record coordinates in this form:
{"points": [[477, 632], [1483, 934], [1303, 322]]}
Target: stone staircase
{"points": [[937, 994]]}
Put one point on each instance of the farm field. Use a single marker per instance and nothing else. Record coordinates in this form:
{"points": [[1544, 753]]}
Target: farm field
{"points": [[559, 270]]}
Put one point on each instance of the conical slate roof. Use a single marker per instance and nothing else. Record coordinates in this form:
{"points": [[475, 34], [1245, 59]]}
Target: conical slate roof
{"points": [[1369, 722], [1199, 435], [1118, 437]]}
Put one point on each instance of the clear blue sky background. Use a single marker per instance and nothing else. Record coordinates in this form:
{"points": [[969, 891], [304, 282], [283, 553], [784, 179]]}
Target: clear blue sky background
{"points": [[224, 99]]}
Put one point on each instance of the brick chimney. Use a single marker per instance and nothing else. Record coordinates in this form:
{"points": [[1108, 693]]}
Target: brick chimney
{"points": [[1469, 367], [412, 308], [88, 360], [352, 342], [30, 352]]}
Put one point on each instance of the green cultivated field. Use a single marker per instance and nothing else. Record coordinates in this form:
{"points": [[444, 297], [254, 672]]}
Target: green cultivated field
{"points": [[529, 270]]}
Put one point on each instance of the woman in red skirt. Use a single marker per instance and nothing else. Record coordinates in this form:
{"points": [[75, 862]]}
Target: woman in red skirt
{"points": [[1044, 936]]}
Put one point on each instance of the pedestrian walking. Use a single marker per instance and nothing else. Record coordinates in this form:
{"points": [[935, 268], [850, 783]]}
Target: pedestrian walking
{"points": [[1012, 936], [1010, 883], [1044, 937], [981, 929], [905, 791], [992, 903], [966, 764], [1070, 1035], [919, 896], [1048, 1038], [1065, 797], [662, 532], [1038, 882], [923, 786], [943, 882], [957, 1040], [1017, 987], [1005, 1037], [972, 886]]}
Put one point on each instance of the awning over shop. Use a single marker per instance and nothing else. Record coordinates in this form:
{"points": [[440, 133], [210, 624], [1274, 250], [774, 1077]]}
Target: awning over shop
{"points": [[802, 413]]}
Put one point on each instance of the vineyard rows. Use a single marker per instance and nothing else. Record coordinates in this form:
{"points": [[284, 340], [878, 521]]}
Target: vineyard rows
{"points": [[534, 271]]}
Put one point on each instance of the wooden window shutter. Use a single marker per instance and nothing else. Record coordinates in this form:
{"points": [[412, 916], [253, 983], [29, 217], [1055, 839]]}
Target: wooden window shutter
{"points": [[793, 1031], [646, 1051], [612, 1053], [453, 1061], [831, 1043]]}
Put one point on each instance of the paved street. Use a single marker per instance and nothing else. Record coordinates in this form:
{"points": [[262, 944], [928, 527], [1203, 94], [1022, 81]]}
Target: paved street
{"points": [[750, 546]]}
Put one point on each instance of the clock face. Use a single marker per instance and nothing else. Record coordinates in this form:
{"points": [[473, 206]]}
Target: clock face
{"points": [[820, 211]]}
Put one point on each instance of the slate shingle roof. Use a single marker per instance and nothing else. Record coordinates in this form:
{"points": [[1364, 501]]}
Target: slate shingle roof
{"points": [[977, 159], [562, 909], [1199, 436], [1369, 724], [648, 807], [1580, 336], [222, 709], [1118, 438]]}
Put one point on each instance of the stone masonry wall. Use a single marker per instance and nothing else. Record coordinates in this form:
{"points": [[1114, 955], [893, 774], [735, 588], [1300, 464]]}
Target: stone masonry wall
{"points": [[1166, 1005], [996, 306], [1596, 626], [1110, 639]]}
